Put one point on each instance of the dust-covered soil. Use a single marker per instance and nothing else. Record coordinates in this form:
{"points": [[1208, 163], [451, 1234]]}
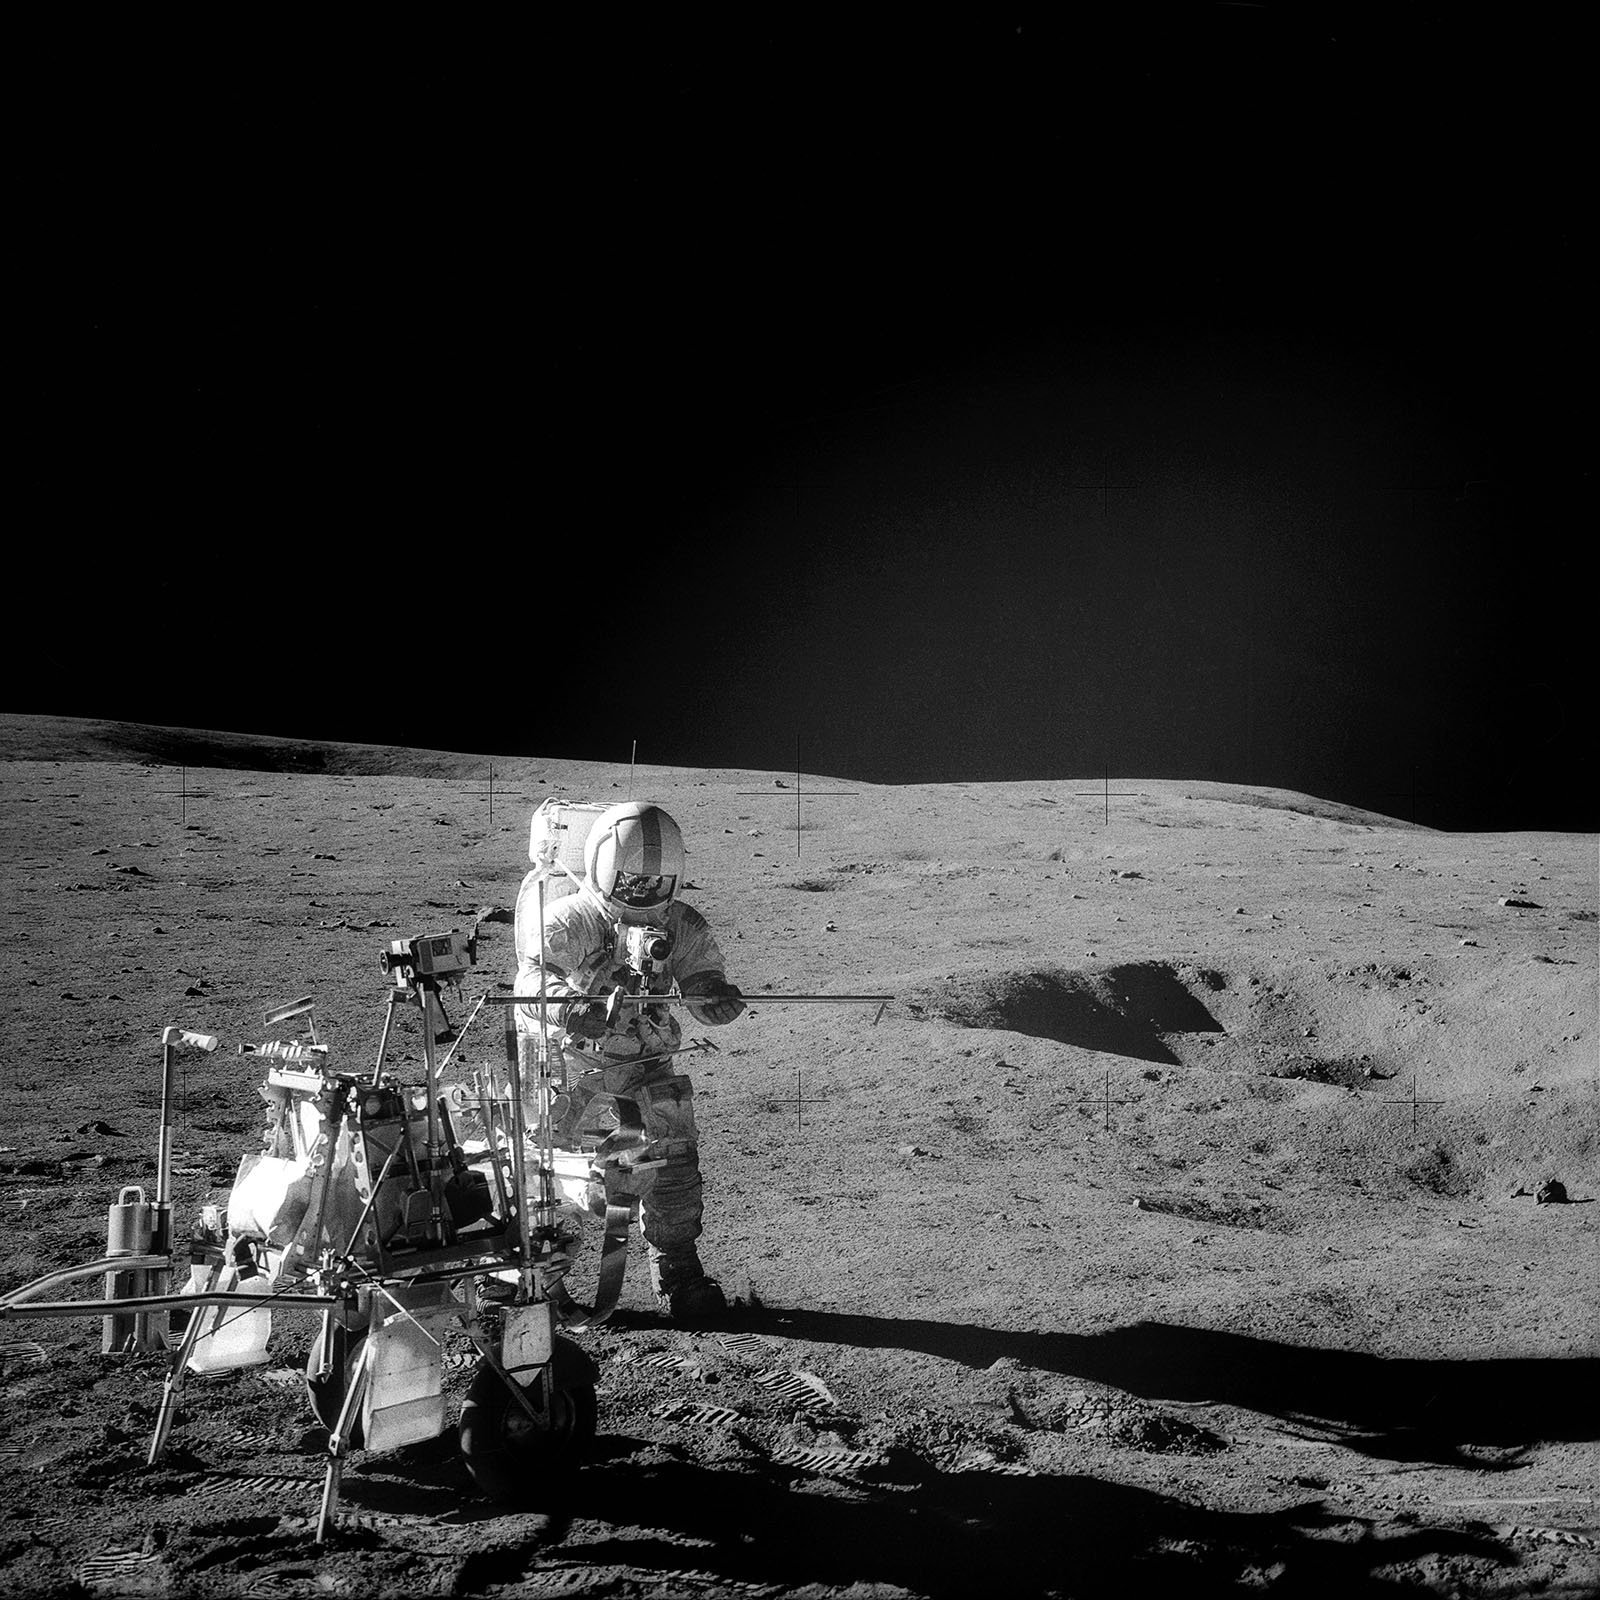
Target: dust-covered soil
{"points": [[1172, 1230]]}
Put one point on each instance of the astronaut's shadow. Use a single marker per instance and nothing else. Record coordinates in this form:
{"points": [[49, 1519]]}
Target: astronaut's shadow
{"points": [[1398, 1409]]}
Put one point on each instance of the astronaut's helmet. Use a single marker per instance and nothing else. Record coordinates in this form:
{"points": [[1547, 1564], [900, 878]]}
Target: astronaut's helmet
{"points": [[633, 861]]}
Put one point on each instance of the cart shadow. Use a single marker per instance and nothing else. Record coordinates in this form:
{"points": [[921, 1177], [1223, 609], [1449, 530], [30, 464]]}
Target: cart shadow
{"points": [[955, 1534], [1406, 1410]]}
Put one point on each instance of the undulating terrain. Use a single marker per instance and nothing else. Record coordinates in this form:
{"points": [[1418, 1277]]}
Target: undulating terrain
{"points": [[1180, 1226]]}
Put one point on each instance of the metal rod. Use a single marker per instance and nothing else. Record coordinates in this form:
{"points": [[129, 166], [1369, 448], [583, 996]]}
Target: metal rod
{"points": [[519, 1132], [396, 997], [462, 1035], [693, 999], [339, 1440], [169, 1302], [429, 997], [519, 1392], [175, 1371], [519, 1118], [161, 1208], [490, 1131], [372, 1199], [90, 1269], [666, 1055]]}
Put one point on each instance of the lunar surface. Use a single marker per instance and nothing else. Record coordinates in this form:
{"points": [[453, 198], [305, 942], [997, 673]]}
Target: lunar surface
{"points": [[1189, 1221]]}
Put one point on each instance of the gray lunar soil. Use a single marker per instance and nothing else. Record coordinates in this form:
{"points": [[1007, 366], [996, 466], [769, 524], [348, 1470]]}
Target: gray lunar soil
{"points": [[1175, 1228]]}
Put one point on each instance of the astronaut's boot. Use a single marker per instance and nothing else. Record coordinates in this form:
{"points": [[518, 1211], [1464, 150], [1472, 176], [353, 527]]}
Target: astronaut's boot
{"points": [[671, 1209], [684, 1291]]}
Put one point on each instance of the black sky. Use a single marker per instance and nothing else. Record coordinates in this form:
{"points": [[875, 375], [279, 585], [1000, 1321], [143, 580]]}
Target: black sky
{"points": [[1198, 392]]}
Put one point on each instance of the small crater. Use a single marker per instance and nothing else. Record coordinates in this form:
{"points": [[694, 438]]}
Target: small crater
{"points": [[1436, 1169], [1123, 1010]]}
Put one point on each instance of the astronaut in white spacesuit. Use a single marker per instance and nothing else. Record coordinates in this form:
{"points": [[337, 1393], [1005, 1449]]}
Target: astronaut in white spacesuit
{"points": [[624, 932]]}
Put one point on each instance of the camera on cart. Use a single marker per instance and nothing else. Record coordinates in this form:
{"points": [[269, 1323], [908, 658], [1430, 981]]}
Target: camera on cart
{"points": [[442, 957]]}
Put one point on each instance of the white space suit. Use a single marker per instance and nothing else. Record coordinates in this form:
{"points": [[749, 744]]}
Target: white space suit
{"points": [[633, 862]]}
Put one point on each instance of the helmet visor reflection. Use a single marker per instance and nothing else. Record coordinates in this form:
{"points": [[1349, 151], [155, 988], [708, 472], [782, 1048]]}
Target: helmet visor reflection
{"points": [[642, 890]]}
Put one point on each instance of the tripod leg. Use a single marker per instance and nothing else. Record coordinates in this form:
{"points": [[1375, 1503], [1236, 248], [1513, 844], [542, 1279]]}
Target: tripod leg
{"points": [[339, 1443], [176, 1371]]}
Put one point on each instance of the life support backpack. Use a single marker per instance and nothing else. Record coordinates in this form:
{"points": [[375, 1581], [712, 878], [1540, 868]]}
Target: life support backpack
{"points": [[556, 839]]}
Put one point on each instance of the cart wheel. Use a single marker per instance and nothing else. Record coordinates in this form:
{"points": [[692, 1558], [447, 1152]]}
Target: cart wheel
{"points": [[339, 1350], [509, 1456]]}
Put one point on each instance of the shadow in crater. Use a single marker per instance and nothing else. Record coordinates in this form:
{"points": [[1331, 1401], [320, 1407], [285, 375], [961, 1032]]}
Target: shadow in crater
{"points": [[964, 1534], [1122, 1011], [1394, 1409]]}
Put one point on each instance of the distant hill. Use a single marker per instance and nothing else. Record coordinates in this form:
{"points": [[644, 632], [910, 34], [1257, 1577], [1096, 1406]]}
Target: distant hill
{"points": [[43, 738], [31, 738]]}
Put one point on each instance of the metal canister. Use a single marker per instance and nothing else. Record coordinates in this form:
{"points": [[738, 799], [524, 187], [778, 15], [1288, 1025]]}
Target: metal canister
{"points": [[127, 1234]]}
